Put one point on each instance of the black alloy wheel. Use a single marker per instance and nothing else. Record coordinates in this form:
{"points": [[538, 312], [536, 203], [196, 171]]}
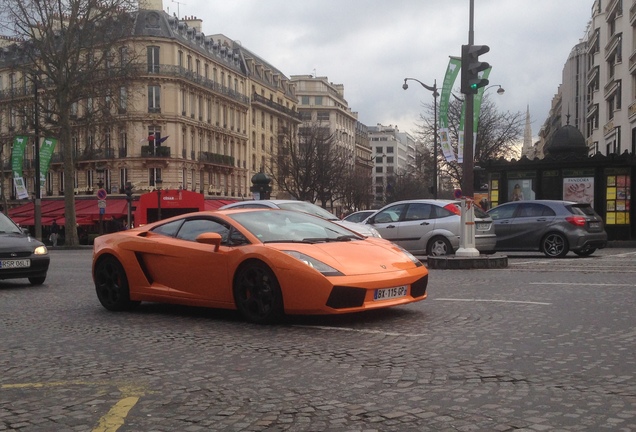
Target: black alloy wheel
{"points": [[257, 293], [111, 285], [555, 245]]}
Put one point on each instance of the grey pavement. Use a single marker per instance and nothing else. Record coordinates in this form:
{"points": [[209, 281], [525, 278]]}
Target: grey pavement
{"points": [[543, 345]]}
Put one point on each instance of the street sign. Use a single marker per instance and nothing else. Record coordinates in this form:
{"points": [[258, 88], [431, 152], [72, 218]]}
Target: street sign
{"points": [[457, 193], [101, 194], [101, 204]]}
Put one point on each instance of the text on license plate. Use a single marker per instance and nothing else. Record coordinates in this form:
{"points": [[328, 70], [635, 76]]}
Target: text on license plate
{"points": [[6, 264], [595, 224], [389, 293], [482, 226]]}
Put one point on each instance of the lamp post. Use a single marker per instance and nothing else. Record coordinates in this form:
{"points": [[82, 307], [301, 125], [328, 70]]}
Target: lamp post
{"points": [[158, 183], [435, 96]]}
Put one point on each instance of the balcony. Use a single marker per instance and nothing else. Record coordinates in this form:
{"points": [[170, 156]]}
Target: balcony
{"points": [[216, 159], [149, 151], [271, 105]]}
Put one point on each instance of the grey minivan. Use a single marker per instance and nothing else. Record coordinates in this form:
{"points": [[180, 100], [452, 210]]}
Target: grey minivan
{"points": [[549, 226]]}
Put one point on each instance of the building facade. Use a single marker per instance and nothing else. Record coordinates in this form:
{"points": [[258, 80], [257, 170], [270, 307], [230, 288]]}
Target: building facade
{"points": [[204, 114]]}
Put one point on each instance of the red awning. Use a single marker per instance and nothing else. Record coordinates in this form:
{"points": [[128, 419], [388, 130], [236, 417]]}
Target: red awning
{"points": [[86, 211]]}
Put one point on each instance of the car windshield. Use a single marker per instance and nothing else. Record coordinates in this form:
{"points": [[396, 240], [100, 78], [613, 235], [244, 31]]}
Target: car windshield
{"points": [[283, 226], [7, 226], [306, 207]]}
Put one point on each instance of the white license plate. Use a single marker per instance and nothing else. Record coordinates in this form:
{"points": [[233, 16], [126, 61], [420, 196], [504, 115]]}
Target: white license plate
{"points": [[482, 226], [595, 224], [389, 293], [7, 264]]}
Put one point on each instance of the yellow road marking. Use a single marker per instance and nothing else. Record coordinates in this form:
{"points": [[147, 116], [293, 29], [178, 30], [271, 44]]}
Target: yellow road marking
{"points": [[110, 422], [116, 417]]}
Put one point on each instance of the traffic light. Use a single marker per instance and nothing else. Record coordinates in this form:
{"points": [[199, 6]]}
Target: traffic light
{"points": [[128, 191], [471, 66]]}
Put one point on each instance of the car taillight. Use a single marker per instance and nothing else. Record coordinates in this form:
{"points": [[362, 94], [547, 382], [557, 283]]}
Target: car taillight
{"points": [[576, 220], [453, 208]]}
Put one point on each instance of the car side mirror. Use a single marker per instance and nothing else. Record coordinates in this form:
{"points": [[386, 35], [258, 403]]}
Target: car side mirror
{"points": [[25, 231], [210, 238]]}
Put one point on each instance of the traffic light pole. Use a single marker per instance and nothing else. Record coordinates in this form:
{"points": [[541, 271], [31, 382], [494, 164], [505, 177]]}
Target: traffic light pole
{"points": [[467, 231]]}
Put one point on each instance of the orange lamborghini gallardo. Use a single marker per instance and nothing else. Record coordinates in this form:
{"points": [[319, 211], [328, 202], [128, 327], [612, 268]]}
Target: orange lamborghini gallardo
{"points": [[263, 263]]}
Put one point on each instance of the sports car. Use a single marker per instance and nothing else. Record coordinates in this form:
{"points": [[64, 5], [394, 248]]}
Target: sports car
{"points": [[265, 263]]}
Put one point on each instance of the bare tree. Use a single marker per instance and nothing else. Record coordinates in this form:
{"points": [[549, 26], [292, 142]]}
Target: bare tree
{"points": [[498, 136], [312, 166], [76, 52]]}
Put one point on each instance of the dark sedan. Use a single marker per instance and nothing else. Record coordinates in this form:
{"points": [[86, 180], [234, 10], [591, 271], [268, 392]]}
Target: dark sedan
{"points": [[551, 227], [21, 256]]}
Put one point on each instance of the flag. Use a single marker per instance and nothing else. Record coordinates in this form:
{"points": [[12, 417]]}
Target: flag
{"points": [[454, 65], [163, 139]]}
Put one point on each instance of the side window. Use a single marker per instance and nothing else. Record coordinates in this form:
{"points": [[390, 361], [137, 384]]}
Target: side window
{"points": [[418, 211], [535, 210], [391, 214], [193, 227], [504, 212], [169, 229]]}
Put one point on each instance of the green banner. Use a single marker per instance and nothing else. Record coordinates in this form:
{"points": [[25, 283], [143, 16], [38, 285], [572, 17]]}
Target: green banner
{"points": [[17, 154], [46, 153], [454, 66]]}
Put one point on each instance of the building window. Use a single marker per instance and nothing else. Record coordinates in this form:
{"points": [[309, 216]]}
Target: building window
{"points": [[153, 59], [304, 100], [154, 99], [153, 175], [318, 100]]}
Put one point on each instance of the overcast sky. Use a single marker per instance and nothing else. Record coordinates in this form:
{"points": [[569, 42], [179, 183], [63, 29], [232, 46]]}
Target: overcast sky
{"points": [[370, 46]]}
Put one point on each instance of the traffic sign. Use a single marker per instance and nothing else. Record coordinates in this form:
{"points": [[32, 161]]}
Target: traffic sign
{"points": [[458, 193], [101, 194]]}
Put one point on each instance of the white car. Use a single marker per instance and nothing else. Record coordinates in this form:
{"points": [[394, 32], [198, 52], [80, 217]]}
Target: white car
{"points": [[431, 227], [306, 207]]}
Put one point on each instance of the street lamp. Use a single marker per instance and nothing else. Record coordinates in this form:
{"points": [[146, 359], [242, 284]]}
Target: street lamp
{"points": [[158, 183], [435, 96]]}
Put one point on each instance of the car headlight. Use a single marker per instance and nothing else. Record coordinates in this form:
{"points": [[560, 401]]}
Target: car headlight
{"points": [[314, 263], [412, 257], [374, 232], [40, 250]]}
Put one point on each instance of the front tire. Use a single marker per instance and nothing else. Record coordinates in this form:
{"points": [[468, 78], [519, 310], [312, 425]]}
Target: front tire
{"points": [[111, 285], [257, 293], [37, 280], [555, 245], [439, 246]]}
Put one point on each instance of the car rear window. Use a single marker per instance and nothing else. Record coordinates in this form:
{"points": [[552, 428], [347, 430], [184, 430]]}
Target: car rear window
{"points": [[581, 209]]}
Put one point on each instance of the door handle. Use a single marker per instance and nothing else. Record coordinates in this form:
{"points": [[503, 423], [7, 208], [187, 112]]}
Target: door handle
{"points": [[425, 223], [390, 226]]}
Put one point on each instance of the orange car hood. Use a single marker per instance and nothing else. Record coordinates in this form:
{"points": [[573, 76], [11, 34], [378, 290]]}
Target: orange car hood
{"points": [[354, 257]]}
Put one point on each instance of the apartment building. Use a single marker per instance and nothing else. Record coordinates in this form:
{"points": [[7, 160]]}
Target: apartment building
{"points": [[204, 114], [393, 154], [598, 91]]}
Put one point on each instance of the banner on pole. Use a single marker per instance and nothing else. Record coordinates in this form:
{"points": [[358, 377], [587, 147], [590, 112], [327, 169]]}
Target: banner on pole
{"points": [[454, 66]]}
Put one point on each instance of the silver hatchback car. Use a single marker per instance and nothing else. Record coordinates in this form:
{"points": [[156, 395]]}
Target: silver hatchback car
{"points": [[551, 227], [431, 227]]}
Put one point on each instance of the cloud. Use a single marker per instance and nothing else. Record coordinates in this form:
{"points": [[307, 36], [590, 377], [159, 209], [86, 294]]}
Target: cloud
{"points": [[370, 46]]}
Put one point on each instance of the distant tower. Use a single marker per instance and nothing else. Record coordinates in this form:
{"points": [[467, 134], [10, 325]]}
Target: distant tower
{"points": [[528, 149]]}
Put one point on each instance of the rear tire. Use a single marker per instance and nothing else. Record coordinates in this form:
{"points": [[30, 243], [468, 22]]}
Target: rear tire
{"points": [[257, 293], [555, 245], [111, 285], [585, 252], [439, 246]]}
